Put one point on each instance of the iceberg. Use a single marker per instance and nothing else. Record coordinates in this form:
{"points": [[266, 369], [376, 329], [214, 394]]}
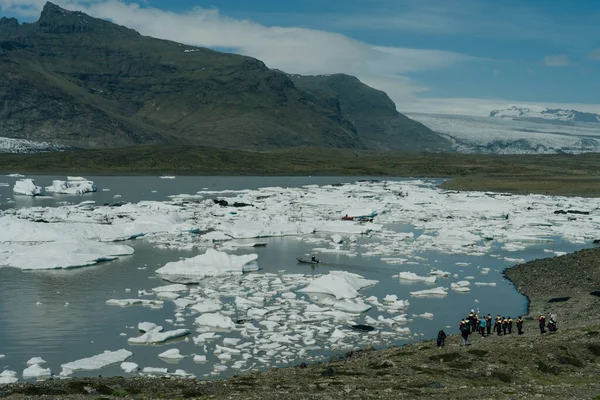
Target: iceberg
{"points": [[439, 291], [154, 334], [171, 355], [8, 376], [215, 320], [129, 367], [35, 371], [26, 187], [74, 185], [341, 284], [60, 255], [410, 276], [210, 264], [95, 362]]}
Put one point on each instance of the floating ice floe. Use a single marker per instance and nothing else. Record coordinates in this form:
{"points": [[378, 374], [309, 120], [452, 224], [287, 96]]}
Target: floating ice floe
{"points": [[410, 276], [36, 371], [73, 185], [439, 273], [26, 187], [341, 284], [154, 334], [171, 355], [424, 315], [95, 362], [215, 320], [133, 302], [337, 239], [129, 367], [36, 360], [439, 291], [8, 376], [60, 254], [210, 264], [485, 283], [461, 286]]}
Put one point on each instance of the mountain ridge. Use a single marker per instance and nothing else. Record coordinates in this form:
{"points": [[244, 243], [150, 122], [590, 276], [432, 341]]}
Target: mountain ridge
{"points": [[533, 113], [85, 82]]}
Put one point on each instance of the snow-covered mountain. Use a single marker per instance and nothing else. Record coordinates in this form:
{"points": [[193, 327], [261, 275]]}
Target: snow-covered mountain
{"points": [[470, 134], [537, 113], [22, 146]]}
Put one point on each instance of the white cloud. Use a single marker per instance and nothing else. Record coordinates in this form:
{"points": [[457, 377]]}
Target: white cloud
{"points": [[594, 54], [561, 60]]}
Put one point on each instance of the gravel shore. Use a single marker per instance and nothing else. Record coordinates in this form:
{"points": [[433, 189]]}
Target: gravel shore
{"points": [[561, 365]]}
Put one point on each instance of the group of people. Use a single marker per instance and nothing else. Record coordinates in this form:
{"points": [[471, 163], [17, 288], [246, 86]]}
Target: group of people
{"points": [[473, 323]]}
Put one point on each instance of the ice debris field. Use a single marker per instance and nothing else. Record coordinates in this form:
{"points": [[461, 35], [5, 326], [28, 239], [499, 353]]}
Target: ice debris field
{"points": [[241, 318]]}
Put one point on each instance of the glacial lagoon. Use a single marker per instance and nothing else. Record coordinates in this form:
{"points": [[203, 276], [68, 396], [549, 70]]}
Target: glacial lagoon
{"points": [[62, 315]]}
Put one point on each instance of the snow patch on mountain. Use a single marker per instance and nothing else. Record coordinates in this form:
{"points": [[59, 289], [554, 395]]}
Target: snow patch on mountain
{"points": [[533, 113], [24, 146]]}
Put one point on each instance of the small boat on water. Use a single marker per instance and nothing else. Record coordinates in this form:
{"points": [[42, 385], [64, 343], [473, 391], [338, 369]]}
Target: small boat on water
{"points": [[307, 261]]}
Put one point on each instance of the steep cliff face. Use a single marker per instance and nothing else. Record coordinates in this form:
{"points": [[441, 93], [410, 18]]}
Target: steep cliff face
{"points": [[380, 126]]}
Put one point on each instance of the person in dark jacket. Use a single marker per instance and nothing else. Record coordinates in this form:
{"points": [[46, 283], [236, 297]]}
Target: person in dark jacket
{"points": [[520, 325], [441, 338], [542, 323], [465, 329], [504, 323], [498, 325], [509, 323], [552, 325], [488, 324]]}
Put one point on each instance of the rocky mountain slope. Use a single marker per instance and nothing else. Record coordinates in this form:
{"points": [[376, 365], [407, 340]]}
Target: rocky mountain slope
{"points": [[373, 113], [74, 80], [542, 114]]}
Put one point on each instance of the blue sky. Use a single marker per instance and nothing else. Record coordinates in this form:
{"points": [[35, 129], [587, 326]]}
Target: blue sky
{"points": [[460, 56]]}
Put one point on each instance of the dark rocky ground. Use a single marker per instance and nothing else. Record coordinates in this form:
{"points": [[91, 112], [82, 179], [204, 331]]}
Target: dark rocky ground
{"points": [[561, 365]]}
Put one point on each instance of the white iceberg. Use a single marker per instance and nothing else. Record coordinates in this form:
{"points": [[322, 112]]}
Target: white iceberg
{"points": [[74, 185], [95, 362], [210, 264], [461, 286], [215, 320], [133, 302], [341, 284], [35, 371], [154, 334], [171, 355], [410, 276], [35, 360], [60, 254], [437, 292], [129, 367], [26, 187], [8, 376]]}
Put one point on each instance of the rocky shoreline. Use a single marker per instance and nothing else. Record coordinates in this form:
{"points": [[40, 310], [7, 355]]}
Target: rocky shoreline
{"points": [[561, 365]]}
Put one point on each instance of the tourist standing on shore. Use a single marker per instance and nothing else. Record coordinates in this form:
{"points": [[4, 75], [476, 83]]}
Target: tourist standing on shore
{"points": [[520, 325], [441, 338], [488, 324], [542, 323], [465, 329], [498, 325], [509, 323], [482, 324]]}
